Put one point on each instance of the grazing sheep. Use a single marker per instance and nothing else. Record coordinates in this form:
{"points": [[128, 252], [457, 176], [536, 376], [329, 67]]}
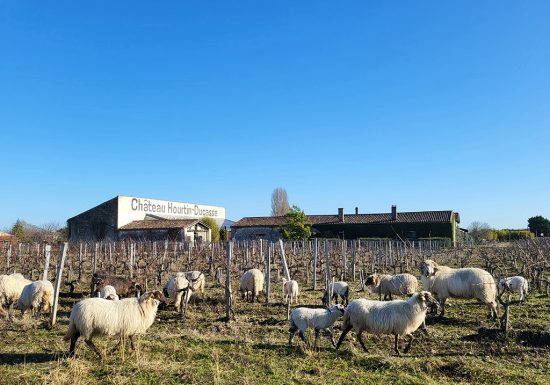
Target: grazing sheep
{"points": [[108, 292], [399, 317], [36, 296], [124, 287], [303, 318], [99, 317], [252, 281], [468, 283], [11, 287], [339, 288], [196, 280], [399, 284], [517, 284], [290, 289], [176, 289]]}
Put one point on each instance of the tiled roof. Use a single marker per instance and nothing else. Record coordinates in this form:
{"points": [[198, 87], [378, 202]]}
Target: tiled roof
{"points": [[160, 224], [402, 217]]}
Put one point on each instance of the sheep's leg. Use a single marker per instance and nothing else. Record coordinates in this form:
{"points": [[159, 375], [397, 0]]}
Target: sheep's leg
{"points": [[304, 338], [442, 314], [72, 348], [344, 332], [291, 335], [493, 313], [93, 347], [360, 338], [396, 344], [424, 328], [328, 332], [315, 345], [132, 348], [116, 346], [408, 348]]}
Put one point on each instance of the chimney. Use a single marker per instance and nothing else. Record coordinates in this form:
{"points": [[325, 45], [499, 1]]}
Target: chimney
{"points": [[356, 210], [394, 212], [341, 215]]}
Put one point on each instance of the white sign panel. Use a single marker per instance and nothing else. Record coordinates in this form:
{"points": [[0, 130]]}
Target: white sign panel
{"points": [[133, 209]]}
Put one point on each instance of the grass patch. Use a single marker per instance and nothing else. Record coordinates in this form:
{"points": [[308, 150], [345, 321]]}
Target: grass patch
{"points": [[202, 349]]}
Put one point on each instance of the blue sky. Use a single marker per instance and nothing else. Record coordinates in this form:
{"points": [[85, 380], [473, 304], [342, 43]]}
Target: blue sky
{"points": [[428, 105]]}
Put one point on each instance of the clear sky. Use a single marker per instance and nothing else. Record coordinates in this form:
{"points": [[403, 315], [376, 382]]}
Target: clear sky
{"points": [[427, 105]]}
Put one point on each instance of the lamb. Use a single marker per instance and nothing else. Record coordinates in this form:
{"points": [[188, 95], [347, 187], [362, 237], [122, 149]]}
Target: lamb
{"points": [[290, 290], [108, 292], [399, 317], [468, 283], [36, 296], [99, 317], [517, 284], [303, 318], [11, 287], [399, 284], [176, 289], [252, 281], [339, 288], [124, 287]]}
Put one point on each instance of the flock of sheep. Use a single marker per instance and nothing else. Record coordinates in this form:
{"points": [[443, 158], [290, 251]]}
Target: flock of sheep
{"points": [[106, 314]]}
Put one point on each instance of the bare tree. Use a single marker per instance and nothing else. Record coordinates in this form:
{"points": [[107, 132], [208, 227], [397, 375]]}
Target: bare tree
{"points": [[479, 231], [279, 202]]}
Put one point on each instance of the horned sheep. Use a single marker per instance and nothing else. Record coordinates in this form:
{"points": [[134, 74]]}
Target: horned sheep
{"points": [[252, 281], [100, 317], [388, 285], [398, 317], [303, 318], [467, 283]]}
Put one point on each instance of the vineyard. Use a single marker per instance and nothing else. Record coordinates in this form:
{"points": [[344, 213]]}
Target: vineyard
{"points": [[252, 347]]}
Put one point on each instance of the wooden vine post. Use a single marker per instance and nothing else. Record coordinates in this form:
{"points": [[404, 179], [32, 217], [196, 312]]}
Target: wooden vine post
{"points": [[228, 252], [60, 263], [267, 271]]}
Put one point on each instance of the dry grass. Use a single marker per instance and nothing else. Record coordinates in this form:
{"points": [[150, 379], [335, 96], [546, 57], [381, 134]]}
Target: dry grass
{"points": [[203, 349]]}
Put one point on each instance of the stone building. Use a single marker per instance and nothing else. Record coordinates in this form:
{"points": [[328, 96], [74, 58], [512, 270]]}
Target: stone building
{"points": [[392, 225], [143, 218]]}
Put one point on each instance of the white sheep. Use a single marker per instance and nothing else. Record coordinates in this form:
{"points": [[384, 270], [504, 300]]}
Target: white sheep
{"points": [[36, 296], [290, 290], [178, 290], [197, 281], [399, 317], [11, 287], [303, 318], [252, 281], [399, 284], [108, 292], [339, 288], [100, 317], [467, 283], [517, 284]]}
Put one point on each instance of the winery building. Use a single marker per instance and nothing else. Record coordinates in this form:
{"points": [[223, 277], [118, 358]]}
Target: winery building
{"points": [[415, 225], [144, 218]]}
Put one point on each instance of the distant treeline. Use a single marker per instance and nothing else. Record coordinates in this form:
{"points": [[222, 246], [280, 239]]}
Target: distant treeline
{"points": [[506, 235]]}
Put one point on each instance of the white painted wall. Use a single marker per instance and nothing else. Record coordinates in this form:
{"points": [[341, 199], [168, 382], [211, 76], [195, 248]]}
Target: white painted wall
{"points": [[134, 209]]}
